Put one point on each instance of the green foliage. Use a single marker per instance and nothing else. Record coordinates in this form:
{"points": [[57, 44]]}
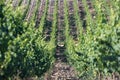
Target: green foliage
{"points": [[1, 2], [11, 26], [27, 54], [22, 49], [98, 49]]}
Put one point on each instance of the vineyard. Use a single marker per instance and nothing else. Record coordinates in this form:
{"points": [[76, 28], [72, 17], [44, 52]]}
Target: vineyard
{"points": [[59, 39]]}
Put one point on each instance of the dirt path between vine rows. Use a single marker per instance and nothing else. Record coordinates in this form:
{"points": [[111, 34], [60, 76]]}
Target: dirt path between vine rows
{"points": [[61, 70]]}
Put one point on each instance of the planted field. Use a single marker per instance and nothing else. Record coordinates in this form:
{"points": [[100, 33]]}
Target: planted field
{"points": [[59, 40]]}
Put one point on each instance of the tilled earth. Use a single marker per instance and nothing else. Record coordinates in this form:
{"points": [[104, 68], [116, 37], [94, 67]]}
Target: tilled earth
{"points": [[62, 71]]}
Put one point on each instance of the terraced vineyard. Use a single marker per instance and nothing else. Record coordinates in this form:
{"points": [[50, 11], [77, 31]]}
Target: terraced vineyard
{"points": [[60, 40]]}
